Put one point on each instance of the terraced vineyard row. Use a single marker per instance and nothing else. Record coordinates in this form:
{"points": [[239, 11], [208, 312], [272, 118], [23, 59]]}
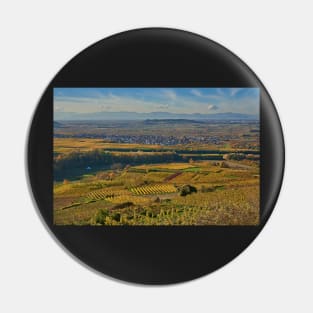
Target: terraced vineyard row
{"points": [[107, 193], [153, 189]]}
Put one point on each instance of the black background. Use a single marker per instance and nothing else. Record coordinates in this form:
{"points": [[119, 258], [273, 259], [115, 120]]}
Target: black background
{"points": [[154, 58]]}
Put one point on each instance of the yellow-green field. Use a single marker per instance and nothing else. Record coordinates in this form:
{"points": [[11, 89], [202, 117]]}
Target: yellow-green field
{"points": [[227, 192], [67, 145]]}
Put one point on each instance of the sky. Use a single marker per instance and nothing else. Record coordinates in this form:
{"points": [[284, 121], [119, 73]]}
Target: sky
{"points": [[144, 100]]}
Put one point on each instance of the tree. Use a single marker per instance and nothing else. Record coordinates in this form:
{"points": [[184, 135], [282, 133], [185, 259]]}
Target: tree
{"points": [[236, 156]]}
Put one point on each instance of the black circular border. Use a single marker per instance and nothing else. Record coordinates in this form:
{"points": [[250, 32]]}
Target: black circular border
{"points": [[155, 57]]}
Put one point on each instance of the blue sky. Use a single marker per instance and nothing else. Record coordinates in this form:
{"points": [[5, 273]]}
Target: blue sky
{"points": [[175, 100]]}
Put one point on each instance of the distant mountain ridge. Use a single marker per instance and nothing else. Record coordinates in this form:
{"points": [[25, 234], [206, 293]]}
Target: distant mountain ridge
{"points": [[56, 124], [151, 116], [173, 120]]}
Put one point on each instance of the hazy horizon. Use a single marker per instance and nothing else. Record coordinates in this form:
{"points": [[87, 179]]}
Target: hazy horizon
{"points": [[75, 102]]}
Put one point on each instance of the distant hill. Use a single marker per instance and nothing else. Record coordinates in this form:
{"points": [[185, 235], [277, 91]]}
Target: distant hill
{"points": [[176, 121], [58, 116], [57, 124]]}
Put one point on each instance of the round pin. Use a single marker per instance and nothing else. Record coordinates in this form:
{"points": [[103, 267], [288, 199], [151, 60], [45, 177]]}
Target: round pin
{"points": [[155, 156]]}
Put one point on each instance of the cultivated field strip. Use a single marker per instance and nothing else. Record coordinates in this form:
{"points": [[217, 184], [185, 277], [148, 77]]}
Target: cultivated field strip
{"points": [[154, 189], [107, 193]]}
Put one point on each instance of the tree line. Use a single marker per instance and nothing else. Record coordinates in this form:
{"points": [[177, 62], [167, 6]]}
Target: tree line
{"points": [[96, 158]]}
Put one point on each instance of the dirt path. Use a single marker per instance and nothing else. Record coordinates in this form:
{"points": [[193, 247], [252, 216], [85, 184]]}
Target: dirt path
{"points": [[172, 176]]}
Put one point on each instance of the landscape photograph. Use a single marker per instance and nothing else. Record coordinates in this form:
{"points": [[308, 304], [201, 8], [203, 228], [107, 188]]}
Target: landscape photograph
{"points": [[156, 156]]}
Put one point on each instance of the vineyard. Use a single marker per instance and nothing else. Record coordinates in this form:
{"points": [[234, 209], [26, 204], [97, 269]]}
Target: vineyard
{"points": [[235, 207], [126, 186], [154, 189], [107, 193]]}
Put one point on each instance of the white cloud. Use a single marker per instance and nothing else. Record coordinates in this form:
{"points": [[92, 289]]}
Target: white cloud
{"points": [[200, 94], [196, 92], [170, 94], [220, 92], [170, 100], [212, 107], [234, 91]]}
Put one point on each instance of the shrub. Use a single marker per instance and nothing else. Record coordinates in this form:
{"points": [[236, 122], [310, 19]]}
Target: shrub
{"points": [[100, 216], [187, 190], [116, 217], [235, 156]]}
